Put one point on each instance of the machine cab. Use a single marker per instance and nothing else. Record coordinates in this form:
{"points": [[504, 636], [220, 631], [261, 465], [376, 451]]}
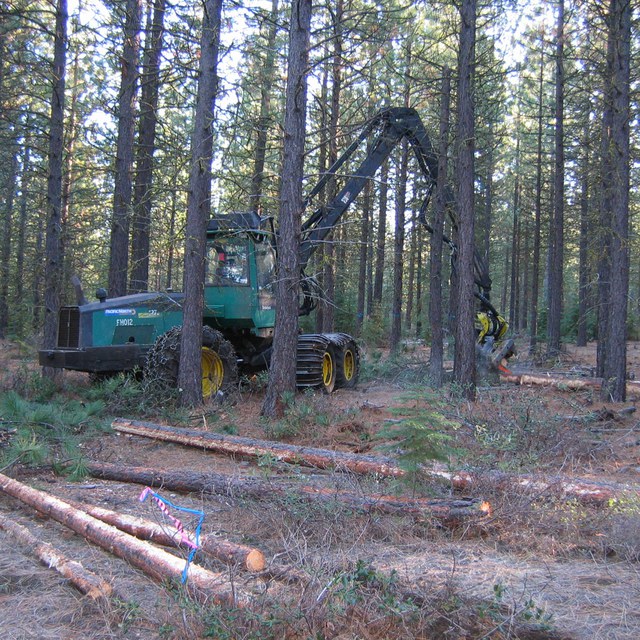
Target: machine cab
{"points": [[240, 273]]}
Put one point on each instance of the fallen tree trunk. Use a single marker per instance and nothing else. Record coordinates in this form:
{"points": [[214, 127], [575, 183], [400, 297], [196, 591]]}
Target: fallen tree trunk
{"points": [[223, 550], [449, 511], [582, 489], [82, 579], [579, 489], [254, 448], [154, 562], [558, 382]]}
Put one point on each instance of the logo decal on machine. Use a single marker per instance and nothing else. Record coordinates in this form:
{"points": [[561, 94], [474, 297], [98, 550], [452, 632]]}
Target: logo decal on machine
{"points": [[119, 312]]}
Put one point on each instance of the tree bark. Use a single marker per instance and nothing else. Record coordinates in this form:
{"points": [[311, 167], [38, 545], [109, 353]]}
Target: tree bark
{"points": [[330, 253], [568, 383], [82, 579], [398, 249], [223, 550], [615, 366], [514, 298], [535, 275], [411, 276], [282, 372], [53, 248], [24, 198], [435, 263], [120, 222], [365, 226], [382, 234], [606, 213], [8, 194], [464, 370], [154, 562], [198, 208], [142, 193], [581, 489], [254, 448], [266, 77], [556, 239], [583, 249], [449, 511]]}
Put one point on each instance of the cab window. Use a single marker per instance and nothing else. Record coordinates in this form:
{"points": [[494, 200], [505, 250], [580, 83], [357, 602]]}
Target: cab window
{"points": [[227, 262]]}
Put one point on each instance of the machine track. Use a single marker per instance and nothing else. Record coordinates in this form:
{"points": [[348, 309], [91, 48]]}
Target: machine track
{"points": [[327, 360]]}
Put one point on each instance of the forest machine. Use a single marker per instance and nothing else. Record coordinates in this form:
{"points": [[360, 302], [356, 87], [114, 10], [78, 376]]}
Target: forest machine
{"points": [[142, 331]]}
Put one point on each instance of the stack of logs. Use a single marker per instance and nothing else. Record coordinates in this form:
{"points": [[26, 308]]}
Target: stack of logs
{"points": [[128, 538]]}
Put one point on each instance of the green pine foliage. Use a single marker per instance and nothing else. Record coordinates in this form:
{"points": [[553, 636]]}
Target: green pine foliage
{"points": [[419, 435], [46, 432]]}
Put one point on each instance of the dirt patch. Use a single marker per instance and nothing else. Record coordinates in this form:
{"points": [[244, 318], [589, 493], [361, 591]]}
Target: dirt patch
{"points": [[538, 567]]}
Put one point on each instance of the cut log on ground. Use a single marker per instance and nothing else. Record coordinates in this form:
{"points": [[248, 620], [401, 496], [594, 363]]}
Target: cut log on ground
{"points": [[449, 511], [154, 562], [224, 550], [254, 448], [583, 490], [570, 384], [580, 489], [82, 579]]}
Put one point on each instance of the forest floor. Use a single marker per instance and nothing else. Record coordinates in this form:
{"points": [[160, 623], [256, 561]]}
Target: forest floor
{"points": [[541, 565]]}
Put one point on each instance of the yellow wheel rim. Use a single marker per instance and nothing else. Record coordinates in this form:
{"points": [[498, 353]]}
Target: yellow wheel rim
{"points": [[349, 365], [212, 372], [328, 371]]}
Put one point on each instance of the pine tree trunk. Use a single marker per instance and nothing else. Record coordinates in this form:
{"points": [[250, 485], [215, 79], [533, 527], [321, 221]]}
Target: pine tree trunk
{"points": [[606, 212], [583, 250], [53, 263], [435, 265], [488, 200], [398, 250], [198, 208], [5, 248], [68, 172], [514, 316], [535, 276], [464, 371], [322, 167], [22, 223], [142, 194], [364, 253], [411, 280], [267, 74], [330, 257], [282, 372], [556, 246], [615, 370], [120, 222], [382, 234], [419, 276]]}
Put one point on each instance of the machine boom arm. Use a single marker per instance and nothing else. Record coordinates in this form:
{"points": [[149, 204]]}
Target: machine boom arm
{"points": [[390, 126]]}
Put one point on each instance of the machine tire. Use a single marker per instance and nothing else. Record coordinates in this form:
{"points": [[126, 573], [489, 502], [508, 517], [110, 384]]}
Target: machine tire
{"points": [[348, 365], [219, 364], [329, 370]]}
